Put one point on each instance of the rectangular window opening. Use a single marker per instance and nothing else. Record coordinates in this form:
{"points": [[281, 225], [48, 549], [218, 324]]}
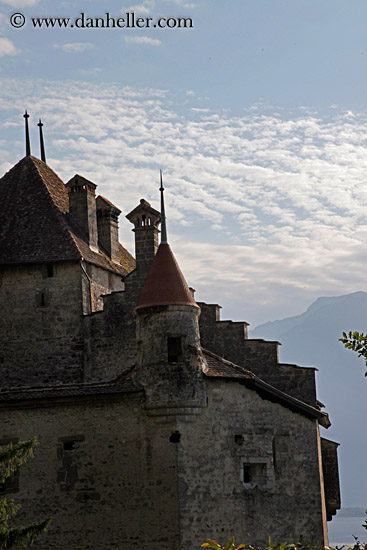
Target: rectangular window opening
{"points": [[255, 473], [174, 349], [50, 270]]}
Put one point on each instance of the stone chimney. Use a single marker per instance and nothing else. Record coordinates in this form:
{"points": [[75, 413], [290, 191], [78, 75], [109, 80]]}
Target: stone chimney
{"points": [[83, 212], [108, 227]]}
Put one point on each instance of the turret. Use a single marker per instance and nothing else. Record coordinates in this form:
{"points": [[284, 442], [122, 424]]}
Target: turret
{"points": [[169, 363]]}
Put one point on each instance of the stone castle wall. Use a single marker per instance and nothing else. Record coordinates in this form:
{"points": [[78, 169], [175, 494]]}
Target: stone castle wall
{"points": [[104, 471], [276, 446], [40, 328], [132, 480]]}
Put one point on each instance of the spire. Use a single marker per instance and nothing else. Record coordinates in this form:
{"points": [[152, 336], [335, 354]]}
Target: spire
{"points": [[27, 141], [163, 215], [42, 146]]}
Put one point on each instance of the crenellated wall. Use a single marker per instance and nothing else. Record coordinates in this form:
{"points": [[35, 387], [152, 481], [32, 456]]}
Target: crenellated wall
{"points": [[229, 339]]}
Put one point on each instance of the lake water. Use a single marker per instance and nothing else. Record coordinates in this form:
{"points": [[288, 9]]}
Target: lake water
{"points": [[341, 530]]}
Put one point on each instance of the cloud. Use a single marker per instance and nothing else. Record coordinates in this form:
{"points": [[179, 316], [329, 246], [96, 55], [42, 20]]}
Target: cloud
{"points": [[144, 8], [142, 40], [74, 47], [7, 47], [184, 4], [91, 72], [20, 3], [266, 210]]}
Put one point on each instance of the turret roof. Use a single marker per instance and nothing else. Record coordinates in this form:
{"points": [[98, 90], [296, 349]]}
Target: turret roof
{"points": [[165, 284]]}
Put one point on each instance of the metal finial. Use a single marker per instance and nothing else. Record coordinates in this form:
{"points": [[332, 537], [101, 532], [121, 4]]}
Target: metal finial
{"points": [[27, 140], [163, 214], [42, 145]]}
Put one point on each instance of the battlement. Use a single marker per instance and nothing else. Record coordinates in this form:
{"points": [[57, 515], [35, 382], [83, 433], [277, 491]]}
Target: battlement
{"points": [[229, 339]]}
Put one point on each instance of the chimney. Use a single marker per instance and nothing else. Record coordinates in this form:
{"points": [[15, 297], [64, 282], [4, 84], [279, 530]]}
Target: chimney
{"points": [[83, 212], [146, 220], [108, 227]]}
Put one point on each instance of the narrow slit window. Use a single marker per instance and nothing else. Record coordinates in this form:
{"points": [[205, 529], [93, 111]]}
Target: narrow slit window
{"points": [[174, 349], [50, 270]]}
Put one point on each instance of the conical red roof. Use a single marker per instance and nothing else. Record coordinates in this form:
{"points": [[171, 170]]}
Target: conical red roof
{"points": [[165, 284]]}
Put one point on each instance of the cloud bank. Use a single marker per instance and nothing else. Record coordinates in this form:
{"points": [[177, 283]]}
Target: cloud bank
{"points": [[266, 211]]}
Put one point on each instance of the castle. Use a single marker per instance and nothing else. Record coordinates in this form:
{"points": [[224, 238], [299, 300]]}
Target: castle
{"points": [[159, 424]]}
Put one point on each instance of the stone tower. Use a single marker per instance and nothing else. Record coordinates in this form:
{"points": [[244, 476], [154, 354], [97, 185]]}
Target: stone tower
{"points": [[169, 362]]}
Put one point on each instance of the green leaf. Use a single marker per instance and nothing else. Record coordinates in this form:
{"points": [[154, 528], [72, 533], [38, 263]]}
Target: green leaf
{"points": [[212, 544], [229, 544]]}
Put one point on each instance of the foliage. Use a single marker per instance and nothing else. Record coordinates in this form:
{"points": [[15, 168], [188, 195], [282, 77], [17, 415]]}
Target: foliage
{"points": [[229, 546], [271, 546], [301, 545], [356, 341], [11, 458]]}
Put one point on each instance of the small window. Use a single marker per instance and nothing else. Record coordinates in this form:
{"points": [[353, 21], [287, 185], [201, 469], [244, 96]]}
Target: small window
{"points": [[50, 270], [175, 437], [42, 298], [255, 473], [67, 473], [174, 349], [69, 445]]}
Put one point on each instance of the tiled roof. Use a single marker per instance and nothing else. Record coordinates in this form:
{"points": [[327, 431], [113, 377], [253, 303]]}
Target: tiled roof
{"points": [[32, 226], [217, 367], [123, 384], [165, 284], [102, 201], [127, 261], [221, 368], [35, 226], [88, 255]]}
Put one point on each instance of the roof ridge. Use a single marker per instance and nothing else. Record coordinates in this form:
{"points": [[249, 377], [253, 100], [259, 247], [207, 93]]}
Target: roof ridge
{"points": [[58, 213]]}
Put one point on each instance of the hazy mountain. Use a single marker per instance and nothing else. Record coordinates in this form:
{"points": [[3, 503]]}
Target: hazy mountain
{"points": [[311, 339]]}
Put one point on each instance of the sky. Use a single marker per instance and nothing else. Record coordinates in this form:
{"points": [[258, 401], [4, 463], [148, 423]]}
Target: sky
{"points": [[256, 113]]}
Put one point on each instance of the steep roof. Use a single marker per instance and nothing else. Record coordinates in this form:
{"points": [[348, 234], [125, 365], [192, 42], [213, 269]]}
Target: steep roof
{"points": [[165, 284], [102, 202], [35, 224], [33, 201]]}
